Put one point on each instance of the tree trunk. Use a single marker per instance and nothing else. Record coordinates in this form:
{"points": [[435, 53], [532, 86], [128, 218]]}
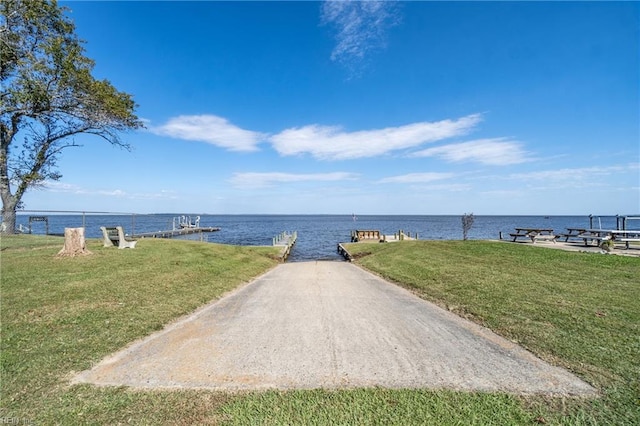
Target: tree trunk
{"points": [[74, 243], [8, 218]]}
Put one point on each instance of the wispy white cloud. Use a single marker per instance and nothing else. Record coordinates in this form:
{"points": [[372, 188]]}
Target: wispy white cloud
{"points": [[603, 178], [332, 143], [417, 177], [575, 174], [361, 28], [494, 152], [450, 187], [69, 188], [113, 193], [211, 129], [56, 186], [260, 180], [505, 193]]}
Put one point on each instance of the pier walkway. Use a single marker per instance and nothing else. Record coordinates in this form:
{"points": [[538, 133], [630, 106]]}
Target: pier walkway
{"points": [[285, 241], [175, 232], [307, 325]]}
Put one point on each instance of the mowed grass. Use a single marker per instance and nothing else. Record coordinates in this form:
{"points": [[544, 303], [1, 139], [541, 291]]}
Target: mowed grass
{"points": [[580, 311], [63, 315]]}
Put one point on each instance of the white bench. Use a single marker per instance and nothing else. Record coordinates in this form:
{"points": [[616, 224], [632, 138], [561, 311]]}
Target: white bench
{"points": [[114, 236]]}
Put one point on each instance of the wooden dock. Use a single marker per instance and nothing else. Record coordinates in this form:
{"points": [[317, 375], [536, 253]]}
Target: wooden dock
{"points": [[370, 235], [175, 232], [286, 241]]}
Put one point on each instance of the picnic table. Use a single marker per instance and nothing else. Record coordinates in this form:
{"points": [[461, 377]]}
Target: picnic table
{"points": [[572, 233], [589, 236], [535, 234], [626, 236], [596, 235]]}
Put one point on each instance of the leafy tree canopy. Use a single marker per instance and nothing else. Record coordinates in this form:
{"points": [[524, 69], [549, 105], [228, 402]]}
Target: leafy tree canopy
{"points": [[47, 96]]}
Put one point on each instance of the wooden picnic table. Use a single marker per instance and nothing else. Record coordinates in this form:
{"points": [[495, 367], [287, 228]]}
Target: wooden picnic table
{"points": [[535, 234], [595, 235], [589, 236], [576, 230], [626, 236], [572, 233]]}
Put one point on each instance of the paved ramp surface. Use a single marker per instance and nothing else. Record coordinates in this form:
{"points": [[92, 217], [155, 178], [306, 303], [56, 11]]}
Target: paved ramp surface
{"points": [[329, 325]]}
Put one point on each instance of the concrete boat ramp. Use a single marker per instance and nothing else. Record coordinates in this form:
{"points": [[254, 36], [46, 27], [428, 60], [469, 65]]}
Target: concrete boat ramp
{"points": [[329, 325]]}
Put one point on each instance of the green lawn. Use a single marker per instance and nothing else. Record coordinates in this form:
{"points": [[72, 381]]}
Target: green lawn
{"points": [[62, 315], [580, 311]]}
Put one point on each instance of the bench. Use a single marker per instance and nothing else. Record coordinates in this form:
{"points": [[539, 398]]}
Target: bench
{"points": [[114, 236], [626, 236], [543, 237], [534, 236], [570, 235], [598, 238], [626, 241]]}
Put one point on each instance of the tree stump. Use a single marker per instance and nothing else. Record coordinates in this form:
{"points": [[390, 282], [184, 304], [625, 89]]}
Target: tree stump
{"points": [[74, 243]]}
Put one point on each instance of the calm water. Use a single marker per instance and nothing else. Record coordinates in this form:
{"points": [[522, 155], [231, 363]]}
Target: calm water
{"points": [[318, 235]]}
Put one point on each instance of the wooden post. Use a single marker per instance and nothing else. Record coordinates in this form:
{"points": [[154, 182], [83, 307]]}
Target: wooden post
{"points": [[74, 243]]}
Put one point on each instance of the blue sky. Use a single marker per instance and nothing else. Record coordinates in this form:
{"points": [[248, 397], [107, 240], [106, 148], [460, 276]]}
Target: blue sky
{"points": [[366, 108]]}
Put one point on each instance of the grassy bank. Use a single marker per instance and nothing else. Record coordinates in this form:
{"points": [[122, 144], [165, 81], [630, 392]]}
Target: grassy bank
{"points": [[60, 316], [577, 310]]}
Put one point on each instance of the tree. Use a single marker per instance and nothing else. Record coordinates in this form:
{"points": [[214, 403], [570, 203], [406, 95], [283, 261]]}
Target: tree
{"points": [[48, 96], [467, 223]]}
